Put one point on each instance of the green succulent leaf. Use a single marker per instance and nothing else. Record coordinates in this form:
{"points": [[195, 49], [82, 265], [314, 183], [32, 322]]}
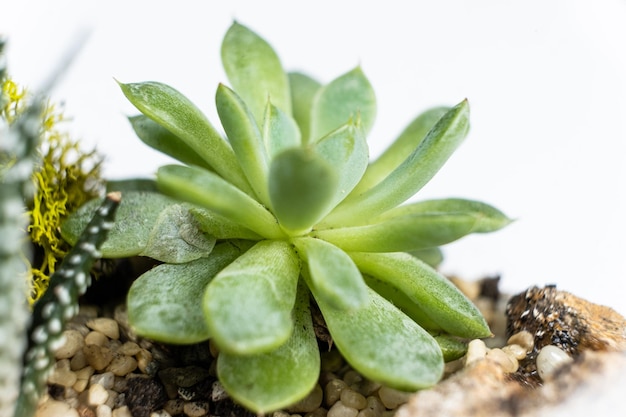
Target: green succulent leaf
{"points": [[401, 148], [334, 275], [411, 175], [183, 119], [383, 344], [303, 90], [254, 71], [302, 188], [248, 305], [221, 227], [344, 98], [136, 217], [165, 303], [245, 138], [432, 256], [176, 237], [451, 347], [268, 381], [279, 131], [157, 137], [418, 226], [435, 295], [346, 150], [206, 189]]}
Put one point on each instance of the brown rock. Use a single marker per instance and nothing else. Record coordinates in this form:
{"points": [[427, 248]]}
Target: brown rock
{"points": [[98, 357]]}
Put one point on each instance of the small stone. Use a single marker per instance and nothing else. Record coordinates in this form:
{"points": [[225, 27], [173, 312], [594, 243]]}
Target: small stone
{"points": [[318, 412], [112, 398], [97, 395], [218, 393], [340, 410], [352, 377], [121, 412], [61, 374], [549, 360], [129, 349], [160, 413], [196, 408], [103, 410], [353, 399], [308, 403], [374, 404], [144, 361], [85, 411], [476, 350], [332, 391], [508, 363], [393, 398], [280, 413], [98, 357], [73, 342], [106, 379], [53, 408], [108, 327], [96, 338], [78, 361], [122, 365], [516, 351], [174, 407], [524, 339]]}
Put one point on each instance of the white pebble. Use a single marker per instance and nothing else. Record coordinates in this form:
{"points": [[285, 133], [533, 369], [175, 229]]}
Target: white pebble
{"points": [[476, 350], [53, 408], [549, 360], [103, 410], [340, 410], [73, 343], [524, 338], [121, 412], [108, 327], [393, 398], [97, 395]]}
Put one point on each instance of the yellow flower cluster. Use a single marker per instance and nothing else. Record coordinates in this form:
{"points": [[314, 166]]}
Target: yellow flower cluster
{"points": [[65, 178]]}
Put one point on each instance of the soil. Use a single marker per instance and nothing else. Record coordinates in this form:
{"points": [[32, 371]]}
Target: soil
{"points": [[180, 380]]}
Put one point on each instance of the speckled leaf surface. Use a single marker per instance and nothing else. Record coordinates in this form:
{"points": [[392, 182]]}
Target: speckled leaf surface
{"points": [[165, 303], [269, 381]]}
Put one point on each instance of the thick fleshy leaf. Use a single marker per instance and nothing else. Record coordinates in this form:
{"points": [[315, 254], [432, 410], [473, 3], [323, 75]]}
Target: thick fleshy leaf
{"points": [[182, 118], [411, 175], [137, 214], [302, 188], [383, 344], [221, 227], [165, 303], [303, 90], [401, 148], [334, 275], [418, 226], [254, 71], [269, 381], [177, 238], [432, 256], [204, 188], [279, 131], [451, 347], [347, 97], [435, 295], [245, 138], [345, 149], [157, 137], [248, 305]]}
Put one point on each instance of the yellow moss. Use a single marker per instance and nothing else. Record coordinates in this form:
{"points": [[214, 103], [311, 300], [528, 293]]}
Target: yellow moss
{"points": [[65, 178]]}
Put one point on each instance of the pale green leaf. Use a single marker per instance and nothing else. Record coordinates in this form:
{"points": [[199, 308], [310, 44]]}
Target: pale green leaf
{"points": [[248, 305], [183, 119], [334, 275], [303, 90], [435, 295], [245, 138], [204, 188], [220, 226], [136, 216], [383, 344], [345, 149], [280, 131], [269, 381], [411, 175], [177, 238], [157, 137], [418, 226], [401, 148], [254, 71], [165, 303], [347, 97], [302, 188]]}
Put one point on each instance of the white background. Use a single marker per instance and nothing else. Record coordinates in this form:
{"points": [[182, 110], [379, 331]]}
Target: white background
{"points": [[546, 81]]}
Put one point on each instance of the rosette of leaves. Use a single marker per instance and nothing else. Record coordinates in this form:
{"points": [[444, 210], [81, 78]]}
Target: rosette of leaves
{"points": [[286, 210]]}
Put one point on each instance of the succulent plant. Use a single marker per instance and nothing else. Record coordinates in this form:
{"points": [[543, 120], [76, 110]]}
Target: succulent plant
{"points": [[284, 211]]}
